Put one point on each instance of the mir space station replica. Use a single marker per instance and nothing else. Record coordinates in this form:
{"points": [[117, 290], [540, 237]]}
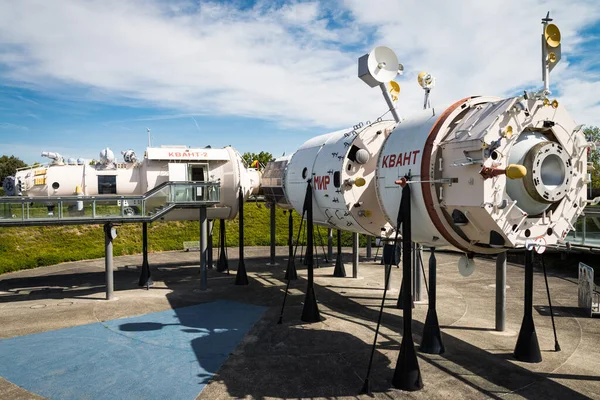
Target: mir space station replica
{"points": [[481, 175], [486, 173]]}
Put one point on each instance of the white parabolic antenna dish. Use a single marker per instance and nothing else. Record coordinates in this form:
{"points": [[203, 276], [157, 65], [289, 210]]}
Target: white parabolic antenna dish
{"points": [[466, 265], [383, 64]]}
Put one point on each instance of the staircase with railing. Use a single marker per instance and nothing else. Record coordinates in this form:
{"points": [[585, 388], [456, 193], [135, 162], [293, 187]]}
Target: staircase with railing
{"points": [[64, 210]]}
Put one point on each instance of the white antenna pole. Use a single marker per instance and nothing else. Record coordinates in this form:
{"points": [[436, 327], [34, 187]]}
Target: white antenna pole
{"points": [[149, 142], [426, 102], [389, 102], [545, 65]]}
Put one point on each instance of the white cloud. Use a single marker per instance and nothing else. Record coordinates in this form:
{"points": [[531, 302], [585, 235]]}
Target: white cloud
{"points": [[288, 63]]}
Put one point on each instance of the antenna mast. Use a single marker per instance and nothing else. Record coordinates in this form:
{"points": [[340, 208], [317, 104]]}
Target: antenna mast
{"points": [[379, 67], [551, 51]]}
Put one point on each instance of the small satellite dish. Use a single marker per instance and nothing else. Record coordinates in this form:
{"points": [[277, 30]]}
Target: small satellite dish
{"points": [[383, 64], [552, 35], [394, 90], [466, 265], [400, 69]]}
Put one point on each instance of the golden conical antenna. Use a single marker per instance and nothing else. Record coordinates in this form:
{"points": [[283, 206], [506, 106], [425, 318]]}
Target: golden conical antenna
{"points": [[552, 57], [420, 78], [552, 35], [394, 89]]}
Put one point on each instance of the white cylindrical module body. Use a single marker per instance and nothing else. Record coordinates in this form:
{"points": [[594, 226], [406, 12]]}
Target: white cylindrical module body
{"points": [[454, 159], [159, 166], [341, 167]]}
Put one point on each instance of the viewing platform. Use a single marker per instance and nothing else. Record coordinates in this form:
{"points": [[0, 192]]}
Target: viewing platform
{"points": [[101, 209]]}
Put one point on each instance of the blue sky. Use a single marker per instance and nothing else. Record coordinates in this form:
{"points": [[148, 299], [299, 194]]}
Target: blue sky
{"points": [[77, 76]]}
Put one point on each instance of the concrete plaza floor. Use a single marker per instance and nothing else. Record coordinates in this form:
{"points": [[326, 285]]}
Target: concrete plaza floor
{"points": [[329, 359]]}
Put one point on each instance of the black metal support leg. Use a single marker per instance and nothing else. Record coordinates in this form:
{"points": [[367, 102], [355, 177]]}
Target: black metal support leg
{"points": [[401, 297], [528, 348], [222, 264], [145, 275], [330, 244], [272, 219], [310, 312], [556, 345], [203, 249], [209, 251], [501, 292], [110, 233], [339, 271], [241, 278], [432, 336], [291, 273], [407, 375], [355, 246]]}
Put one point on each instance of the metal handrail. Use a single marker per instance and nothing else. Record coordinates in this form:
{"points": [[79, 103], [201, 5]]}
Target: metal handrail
{"points": [[150, 193], [167, 196], [583, 239]]}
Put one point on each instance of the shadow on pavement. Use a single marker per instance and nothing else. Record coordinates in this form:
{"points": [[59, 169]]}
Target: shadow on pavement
{"points": [[294, 360]]}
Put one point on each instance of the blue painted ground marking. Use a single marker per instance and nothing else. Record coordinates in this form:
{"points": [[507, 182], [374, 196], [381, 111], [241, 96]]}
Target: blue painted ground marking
{"points": [[165, 355]]}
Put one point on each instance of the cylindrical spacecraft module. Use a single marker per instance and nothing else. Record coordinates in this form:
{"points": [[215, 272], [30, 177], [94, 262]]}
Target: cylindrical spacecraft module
{"points": [[487, 173]]}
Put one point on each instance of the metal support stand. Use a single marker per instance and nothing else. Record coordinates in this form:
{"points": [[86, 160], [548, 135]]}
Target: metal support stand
{"points": [[339, 271], [528, 348], [203, 248], [222, 264], [369, 247], [401, 296], [390, 256], [292, 257], [310, 312], [241, 278], [322, 243], [290, 272], [432, 337], [418, 276], [145, 275], [501, 292], [330, 244], [407, 375], [110, 233], [556, 345], [273, 233], [355, 255], [209, 251], [366, 389], [387, 271]]}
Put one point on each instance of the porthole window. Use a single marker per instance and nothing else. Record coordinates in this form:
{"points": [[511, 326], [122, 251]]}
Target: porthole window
{"points": [[304, 173]]}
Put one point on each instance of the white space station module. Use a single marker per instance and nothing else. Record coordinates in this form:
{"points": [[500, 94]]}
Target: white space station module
{"points": [[486, 173], [137, 177]]}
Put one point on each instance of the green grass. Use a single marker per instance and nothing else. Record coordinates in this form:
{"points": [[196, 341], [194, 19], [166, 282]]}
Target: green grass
{"points": [[23, 248]]}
